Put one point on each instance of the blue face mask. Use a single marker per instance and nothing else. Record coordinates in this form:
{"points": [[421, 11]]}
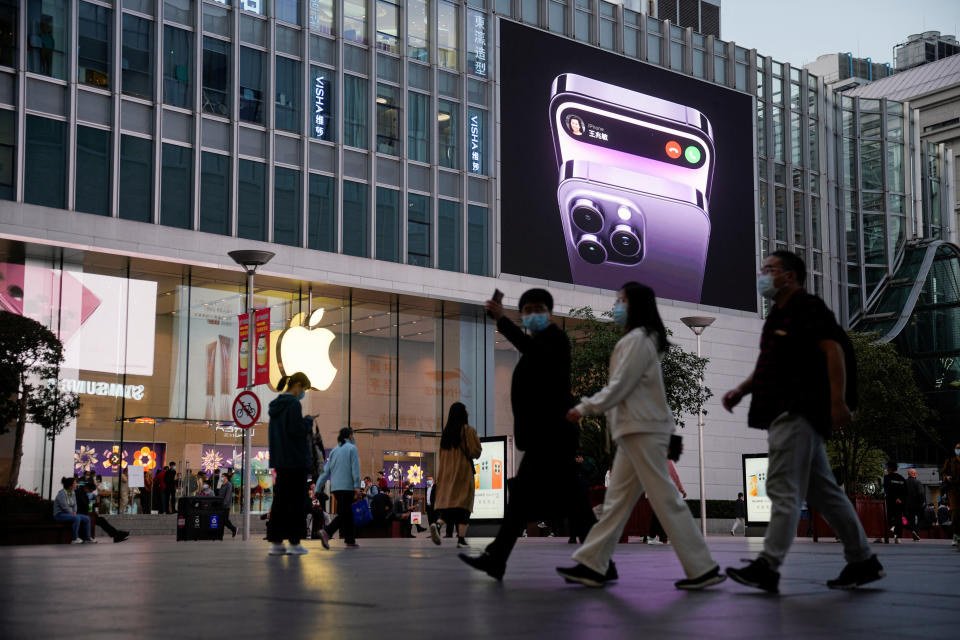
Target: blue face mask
{"points": [[766, 287], [301, 395], [536, 322], [620, 314]]}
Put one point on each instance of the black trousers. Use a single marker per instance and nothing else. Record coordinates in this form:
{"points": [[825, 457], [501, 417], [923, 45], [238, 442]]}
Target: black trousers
{"points": [[344, 520], [895, 518], [108, 528], [656, 529], [170, 500], [286, 516], [914, 518]]}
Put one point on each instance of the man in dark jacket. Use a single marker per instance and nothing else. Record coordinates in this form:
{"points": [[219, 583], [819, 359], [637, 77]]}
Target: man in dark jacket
{"points": [[895, 494], [381, 507], [739, 515], [540, 397], [84, 493], [170, 488], [914, 504], [225, 491]]}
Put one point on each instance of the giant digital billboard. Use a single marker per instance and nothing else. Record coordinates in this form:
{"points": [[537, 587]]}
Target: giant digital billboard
{"points": [[614, 170]]}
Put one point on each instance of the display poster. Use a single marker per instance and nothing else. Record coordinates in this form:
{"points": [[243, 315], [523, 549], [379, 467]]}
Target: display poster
{"points": [[102, 457], [135, 475], [404, 474], [243, 362], [755, 488], [490, 480], [261, 329]]}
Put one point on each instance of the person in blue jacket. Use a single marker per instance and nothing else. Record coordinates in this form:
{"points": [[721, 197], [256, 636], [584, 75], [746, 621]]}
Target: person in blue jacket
{"points": [[290, 434], [343, 471]]}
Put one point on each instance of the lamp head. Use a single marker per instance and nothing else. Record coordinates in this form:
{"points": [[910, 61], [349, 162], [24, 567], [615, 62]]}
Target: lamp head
{"points": [[250, 259], [698, 323]]}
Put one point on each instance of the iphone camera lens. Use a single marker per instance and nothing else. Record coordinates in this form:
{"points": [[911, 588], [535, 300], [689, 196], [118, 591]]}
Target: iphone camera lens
{"points": [[587, 216], [591, 250], [624, 241]]}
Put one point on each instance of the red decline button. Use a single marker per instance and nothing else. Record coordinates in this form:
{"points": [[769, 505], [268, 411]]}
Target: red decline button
{"points": [[673, 149]]}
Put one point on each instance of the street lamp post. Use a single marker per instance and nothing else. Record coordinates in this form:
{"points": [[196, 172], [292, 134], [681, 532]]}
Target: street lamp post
{"points": [[249, 259], [698, 324]]}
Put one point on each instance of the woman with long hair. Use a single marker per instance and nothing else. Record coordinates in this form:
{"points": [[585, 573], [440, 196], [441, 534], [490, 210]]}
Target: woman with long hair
{"points": [[343, 471], [459, 447], [641, 423]]}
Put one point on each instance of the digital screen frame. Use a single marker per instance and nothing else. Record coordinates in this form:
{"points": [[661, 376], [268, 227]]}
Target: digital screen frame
{"points": [[490, 488], [754, 476]]}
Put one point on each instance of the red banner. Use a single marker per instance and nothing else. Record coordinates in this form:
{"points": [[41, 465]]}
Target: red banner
{"points": [[261, 330], [243, 362]]}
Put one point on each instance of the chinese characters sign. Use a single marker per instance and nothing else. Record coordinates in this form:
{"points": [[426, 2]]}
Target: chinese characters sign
{"points": [[320, 109], [260, 349], [477, 43], [475, 126]]}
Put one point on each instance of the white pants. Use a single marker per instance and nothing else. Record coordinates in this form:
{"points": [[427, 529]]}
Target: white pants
{"points": [[641, 466], [738, 522]]}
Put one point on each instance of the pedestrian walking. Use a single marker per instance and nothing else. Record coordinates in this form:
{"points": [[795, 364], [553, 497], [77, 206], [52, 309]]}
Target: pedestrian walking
{"points": [[914, 503], [950, 475], [739, 515], [225, 492], [540, 397], [641, 423], [459, 447], [803, 387], [289, 435], [343, 471], [894, 493]]}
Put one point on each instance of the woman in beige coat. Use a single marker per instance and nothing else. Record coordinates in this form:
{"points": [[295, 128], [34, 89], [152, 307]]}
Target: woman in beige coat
{"points": [[459, 447]]}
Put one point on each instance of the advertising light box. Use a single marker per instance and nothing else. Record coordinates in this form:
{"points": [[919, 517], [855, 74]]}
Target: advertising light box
{"points": [[490, 480], [755, 488], [614, 171]]}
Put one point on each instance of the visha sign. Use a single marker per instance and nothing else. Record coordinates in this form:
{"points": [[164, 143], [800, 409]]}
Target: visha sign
{"points": [[93, 388]]}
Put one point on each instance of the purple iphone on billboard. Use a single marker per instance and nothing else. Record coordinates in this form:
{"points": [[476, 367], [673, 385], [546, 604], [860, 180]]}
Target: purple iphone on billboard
{"points": [[635, 175]]}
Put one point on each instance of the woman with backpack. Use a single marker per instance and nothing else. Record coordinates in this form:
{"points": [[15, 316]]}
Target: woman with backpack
{"points": [[459, 447]]}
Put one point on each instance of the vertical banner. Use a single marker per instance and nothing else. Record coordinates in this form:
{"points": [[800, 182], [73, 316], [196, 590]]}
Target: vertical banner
{"points": [[261, 318], [243, 362]]}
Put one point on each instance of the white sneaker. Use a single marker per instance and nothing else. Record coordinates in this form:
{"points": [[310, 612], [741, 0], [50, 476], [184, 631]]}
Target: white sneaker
{"points": [[278, 549], [79, 541], [89, 541], [297, 550], [653, 541]]}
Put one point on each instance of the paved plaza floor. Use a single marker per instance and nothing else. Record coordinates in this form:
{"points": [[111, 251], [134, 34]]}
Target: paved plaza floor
{"points": [[153, 587]]}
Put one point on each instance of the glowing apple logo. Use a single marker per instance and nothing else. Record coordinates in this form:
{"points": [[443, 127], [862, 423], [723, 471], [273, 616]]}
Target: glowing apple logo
{"points": [[303, 348]]}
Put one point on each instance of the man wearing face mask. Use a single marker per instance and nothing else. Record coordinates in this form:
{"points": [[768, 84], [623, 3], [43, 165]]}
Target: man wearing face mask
{"points": [[540, 397], [803, 388]]}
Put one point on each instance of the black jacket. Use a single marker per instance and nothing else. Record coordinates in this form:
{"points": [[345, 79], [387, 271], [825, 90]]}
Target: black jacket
{"points": [[916, 494], [739, 508], [289, 434], [540, 390], [894, 487], [381, 507]]}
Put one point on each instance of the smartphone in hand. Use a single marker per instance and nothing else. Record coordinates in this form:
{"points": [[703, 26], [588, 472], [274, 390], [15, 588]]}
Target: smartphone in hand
{"points": [[498, 298]]}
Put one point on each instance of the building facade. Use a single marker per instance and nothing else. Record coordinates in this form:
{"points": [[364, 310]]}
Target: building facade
{"points": [[921, 48], [358, 140]]}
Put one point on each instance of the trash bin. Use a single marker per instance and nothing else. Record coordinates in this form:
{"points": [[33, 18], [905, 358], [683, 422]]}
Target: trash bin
{"points": [[200, 518]]}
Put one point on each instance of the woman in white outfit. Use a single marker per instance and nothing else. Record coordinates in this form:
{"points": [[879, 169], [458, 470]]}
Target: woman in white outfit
{"points": [[641, 424]]}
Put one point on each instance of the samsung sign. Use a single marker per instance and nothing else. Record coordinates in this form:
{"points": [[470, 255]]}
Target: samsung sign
{"points": [[319, 107]]}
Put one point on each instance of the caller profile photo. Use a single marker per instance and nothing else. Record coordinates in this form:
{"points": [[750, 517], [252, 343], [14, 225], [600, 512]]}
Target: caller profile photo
{"points": [[575, 124]]}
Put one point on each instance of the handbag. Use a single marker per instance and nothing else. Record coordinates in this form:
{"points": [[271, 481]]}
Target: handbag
{"points": [[361, 513], [675, 448]]}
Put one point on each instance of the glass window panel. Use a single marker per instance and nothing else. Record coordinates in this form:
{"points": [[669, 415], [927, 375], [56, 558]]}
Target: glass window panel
{"points": [[607, 34], [449, 235], [94, 29], [799, 224], [322, 226], [874, 239], [895, 169], [582, 22], [287, 105], [418, 230], [720, 70], [653, 49], [323, 99], [476, 140], [47, 37], [136, 178], [177, 80], [895, 127], [419, 126], [286, 206], [795, 100], [137, 60], [45, 167], [388, 119], [178, 11], [258, 7], [321, 16], [478, 241], [252, 85], [676, 55], [869, 125], [448, 133], [373, 374], [796, 149], [217, 19], [388, 26], [9, 28], [699, 63], [176, 186], [528, 11], [288, 11], [778, 133], [355, 21], [780, 212], [355, 112], [417, 29], [92, 193], [897, 233], [356, 219], [388, 224], [477, 43], [557, 17], [871, 158], [447, 34], [631, 45], [504, 7], [898, 204], [215, 190], [252, 200], [740, 79], [216, 76]]}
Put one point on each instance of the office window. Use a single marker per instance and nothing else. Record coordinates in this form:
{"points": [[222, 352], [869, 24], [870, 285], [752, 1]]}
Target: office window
{"points": [[286, 206], [654, 41], [355, 112], [447, 34], [355, 21], [252, 200], [94, 28], [216, 76], [356, 219], [252, 85], [47, 37], [322, 226], [8, 142], [504, 7], [9, 28], [137, 60], [557, 16], [287, 107], [449, 133], [215, 191], [92, 192], [388, 26], [477, 241], [136, 178], [417, 30], [288, 11], [323, 99], [419, 126], [45, 167], [418, 230], [477, 43], [176, 186], [321, 16], [528, 11], [476, 140], [388, 119], [388, 224], [177, 53], [448, 235], [582, 21], [178, 11]]}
